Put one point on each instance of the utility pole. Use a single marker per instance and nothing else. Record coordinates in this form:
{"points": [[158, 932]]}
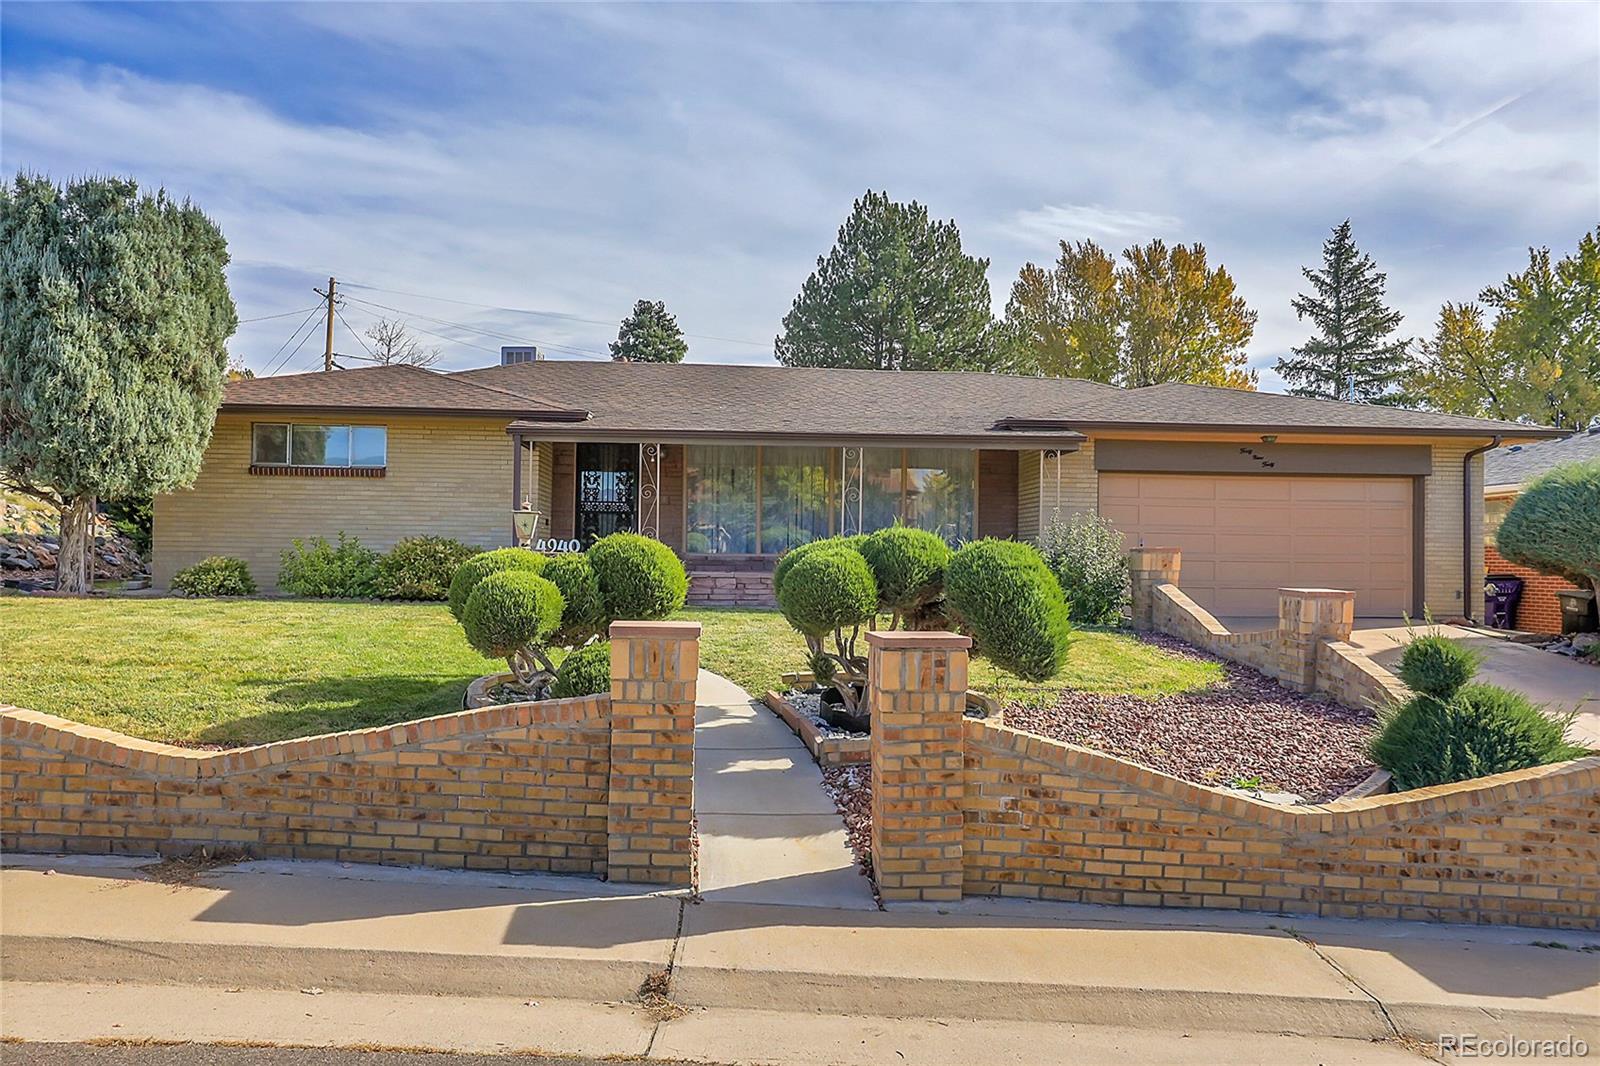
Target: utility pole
{"points": [[327, 351]]}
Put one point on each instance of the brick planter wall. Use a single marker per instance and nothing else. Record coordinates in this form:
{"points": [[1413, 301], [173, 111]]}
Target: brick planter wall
{"points": [[599, 785], [963, 806]]}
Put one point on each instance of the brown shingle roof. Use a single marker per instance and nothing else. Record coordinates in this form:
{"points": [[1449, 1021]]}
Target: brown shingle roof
{"points": [[625, 400], [376, 388], [699, 398]]}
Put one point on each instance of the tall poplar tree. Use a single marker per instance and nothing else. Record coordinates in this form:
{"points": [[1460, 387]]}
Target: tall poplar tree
{"points": [[112, 348], [1354, 354], [896, 292]]}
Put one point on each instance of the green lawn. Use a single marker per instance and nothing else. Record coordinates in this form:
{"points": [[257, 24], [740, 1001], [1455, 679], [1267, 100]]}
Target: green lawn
{"points": [[248, 671]]}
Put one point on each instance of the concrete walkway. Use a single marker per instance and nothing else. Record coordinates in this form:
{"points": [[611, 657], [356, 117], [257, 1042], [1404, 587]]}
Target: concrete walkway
{"points": [[768, 832], [1553, 680]]}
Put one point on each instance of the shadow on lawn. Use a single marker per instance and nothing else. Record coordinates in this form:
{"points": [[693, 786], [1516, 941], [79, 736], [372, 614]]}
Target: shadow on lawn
{"points": [[332, 705]]}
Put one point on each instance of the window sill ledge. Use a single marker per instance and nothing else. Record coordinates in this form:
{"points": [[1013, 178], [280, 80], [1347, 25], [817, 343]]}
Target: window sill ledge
{"points": [[261, 470]]}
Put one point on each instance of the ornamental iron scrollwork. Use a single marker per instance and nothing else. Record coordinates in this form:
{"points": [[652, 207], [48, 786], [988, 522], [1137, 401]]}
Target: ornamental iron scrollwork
{"points": [[650, 490], [851, 490]]}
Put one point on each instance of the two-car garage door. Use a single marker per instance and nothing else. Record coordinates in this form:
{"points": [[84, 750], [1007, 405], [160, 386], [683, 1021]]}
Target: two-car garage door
{"points": [[1243, 538]]}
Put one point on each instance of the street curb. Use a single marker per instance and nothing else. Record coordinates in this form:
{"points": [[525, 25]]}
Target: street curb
{"points": [[75, 959]]}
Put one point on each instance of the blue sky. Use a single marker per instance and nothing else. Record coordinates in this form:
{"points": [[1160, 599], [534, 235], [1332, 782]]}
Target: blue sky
{"points": [[568, 160]]}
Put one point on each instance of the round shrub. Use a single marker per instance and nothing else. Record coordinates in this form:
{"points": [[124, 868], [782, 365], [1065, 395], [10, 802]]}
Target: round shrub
{"points": [[217, 575], [510, 609], [420, 568], [480, 566], [787, 560], [1554, 525], [580, 590], [1437, 666], [1481, 730], [908, 565], [586, 672], [640, 579], [828, 589], [1006, 598]]}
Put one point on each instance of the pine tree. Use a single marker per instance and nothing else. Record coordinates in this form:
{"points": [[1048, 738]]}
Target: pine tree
{"points": [[649, 335], [1352, 356], [896, 292], [112, 348]]}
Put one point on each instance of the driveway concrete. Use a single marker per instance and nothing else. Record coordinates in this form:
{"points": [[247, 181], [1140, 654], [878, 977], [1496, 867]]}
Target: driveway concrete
{"points": [[1553, 680], [768, 832]]}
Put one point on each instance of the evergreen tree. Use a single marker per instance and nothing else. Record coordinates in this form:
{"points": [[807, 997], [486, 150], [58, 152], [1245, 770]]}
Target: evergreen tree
{"points": [[896, 292], [1165, 315], [1352, 356], [112, 348], [649, 335], [1539, 361]]}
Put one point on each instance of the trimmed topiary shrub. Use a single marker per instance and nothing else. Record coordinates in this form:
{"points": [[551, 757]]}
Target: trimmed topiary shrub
{"points": [[787, 560], [1480, 730], [1088, 559], [1554, 525], [586, 672], [828, 595], [480, 566], [420, 568], [908, 566], [508, 614], [1437, 666], [580, 590], [217, 575], [640, 579], [348, 570], [1005, 597]]}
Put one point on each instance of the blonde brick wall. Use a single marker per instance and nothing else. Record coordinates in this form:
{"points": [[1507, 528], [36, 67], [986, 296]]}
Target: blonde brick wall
{"points": [[446, 476], [1055, 489], [521, 787], [1048, 820], [653, 670], [1443, 592]]}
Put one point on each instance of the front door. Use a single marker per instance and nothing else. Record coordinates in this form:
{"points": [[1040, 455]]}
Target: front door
{"points": [[608, 490]]}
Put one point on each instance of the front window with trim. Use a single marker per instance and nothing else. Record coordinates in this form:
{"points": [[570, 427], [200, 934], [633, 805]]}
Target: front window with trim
{"points": [[296, 444]]}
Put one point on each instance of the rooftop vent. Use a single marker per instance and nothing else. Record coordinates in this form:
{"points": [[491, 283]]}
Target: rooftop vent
{"points": [[519, 353]]}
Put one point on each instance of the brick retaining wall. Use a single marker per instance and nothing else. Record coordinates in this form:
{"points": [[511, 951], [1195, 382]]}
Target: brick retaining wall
{"points": [[598, 785], [963, 806]]}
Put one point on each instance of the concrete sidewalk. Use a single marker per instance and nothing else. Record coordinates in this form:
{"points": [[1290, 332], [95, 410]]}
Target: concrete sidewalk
{"points": [[290, 926]]}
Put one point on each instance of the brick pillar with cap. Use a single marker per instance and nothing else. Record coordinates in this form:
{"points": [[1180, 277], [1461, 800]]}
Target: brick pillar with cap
{"points": [[1147, 568], [917, 693], [1306, 618], [650, 814]]}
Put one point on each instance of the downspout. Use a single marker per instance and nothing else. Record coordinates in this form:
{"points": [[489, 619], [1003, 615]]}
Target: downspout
{"points": [[1467, 599]]}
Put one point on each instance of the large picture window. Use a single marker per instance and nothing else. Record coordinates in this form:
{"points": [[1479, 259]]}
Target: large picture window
{"points": [[748, 500], [283, 444]]}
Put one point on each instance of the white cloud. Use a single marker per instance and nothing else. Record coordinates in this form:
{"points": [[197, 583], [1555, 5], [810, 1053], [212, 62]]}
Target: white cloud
{"points": [[574, 159]]}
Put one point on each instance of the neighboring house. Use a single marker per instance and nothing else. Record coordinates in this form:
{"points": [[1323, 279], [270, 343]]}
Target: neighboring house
{"points": [[1506, 472], [732, 465]]}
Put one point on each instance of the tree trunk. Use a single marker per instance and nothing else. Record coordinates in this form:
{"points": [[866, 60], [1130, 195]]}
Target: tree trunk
{"points": [[75, 557]]}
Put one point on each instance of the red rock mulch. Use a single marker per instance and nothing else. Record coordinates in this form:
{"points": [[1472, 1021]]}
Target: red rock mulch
{"points": [[850, 788], [1246, 726]]}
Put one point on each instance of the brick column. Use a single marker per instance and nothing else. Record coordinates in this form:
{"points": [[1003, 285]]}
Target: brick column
{"points": [[1147, 568], [1306, 618], [650, 814], [917, 692]]}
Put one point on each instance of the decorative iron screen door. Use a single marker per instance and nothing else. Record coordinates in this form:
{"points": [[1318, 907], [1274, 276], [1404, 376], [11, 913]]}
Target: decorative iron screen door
{"points": [[608, 490]]}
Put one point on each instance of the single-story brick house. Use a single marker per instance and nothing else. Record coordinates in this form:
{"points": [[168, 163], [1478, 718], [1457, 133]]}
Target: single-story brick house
{"points": [[1506, 472], [732, 465]]}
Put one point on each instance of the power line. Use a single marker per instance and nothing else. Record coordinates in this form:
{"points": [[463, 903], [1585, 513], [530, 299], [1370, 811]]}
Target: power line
{"points": [[359, 339], [281, 314], [276, 364], [471, 329], [301, 345], [545, 314]]}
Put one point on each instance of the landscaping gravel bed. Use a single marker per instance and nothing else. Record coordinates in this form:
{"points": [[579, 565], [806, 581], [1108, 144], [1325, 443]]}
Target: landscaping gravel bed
{"points": [[809, 705], [850, 788], [1246, 731]]}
